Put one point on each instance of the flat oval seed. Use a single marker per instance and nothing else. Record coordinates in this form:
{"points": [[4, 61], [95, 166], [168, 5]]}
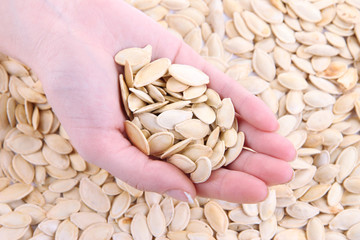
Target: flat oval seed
{"points": [[232, 153], [156, 221], [100, 231], [67, 231], [263, 64], [137, 137], [84, 219], [92, 195], [120, 204], [149, 121], [320, 120], [12, 233], [194, 92], [15, 192], [182, 162], [318, 98], [322, 50], [202, 171], [171, 106], [352, 184], [23, 169], [195, 151], [305, 10], [15, 220], [238, 45], [55, 159], [256, 24], [345, 219], [178, 147], [216, 217], [23, 144], [63, 209], [204, 112], [335, 70], [229, 137], [213, 137], [225, 114], [188, 75], [61, 186], [347, 162], [134, 102], [170, 118], [139, 228], [151, 72], [58, 143], [141, 95], [267, 11], [160, 142], [135, 56], [181, 217], [174, 85], [302, 210], [31, 95], [292, 80], [354, 232], [218, 153], [155, 93], [193, 128], [267, 207]]}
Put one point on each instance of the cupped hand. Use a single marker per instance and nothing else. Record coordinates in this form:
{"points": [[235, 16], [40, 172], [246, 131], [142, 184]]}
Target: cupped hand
{"points": [[71, 45]]}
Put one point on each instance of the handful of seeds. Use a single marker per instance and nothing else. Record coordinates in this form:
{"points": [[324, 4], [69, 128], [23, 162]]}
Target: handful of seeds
{"points": [[174, 116]]}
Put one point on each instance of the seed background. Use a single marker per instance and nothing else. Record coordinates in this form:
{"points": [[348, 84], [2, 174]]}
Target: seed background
{"points": [[300, 57]]}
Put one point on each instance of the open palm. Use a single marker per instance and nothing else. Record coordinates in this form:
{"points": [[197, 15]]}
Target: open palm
{"points": [[70, 46]]}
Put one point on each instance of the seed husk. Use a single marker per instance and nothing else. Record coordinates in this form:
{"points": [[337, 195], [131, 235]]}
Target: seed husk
{"points": [[151, 72], [181, 217], [216, 217], [160, 142], [84, 219], [63, 209], [137, 137], [192, 128], [15, 220], [188, 75], [202, 171], [204, 112], [23, 144], [225, 114], [182, 162], [92, 196], [15, 192], [232, 153], [99, 231], [168, 119]]}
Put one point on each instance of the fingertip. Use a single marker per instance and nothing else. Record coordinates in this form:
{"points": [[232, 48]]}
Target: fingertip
{"points": [[290, 152], [259, 192], [285, 175]]}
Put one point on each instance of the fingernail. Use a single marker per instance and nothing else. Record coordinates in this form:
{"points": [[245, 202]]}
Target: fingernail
{"points": [[180, 195]]}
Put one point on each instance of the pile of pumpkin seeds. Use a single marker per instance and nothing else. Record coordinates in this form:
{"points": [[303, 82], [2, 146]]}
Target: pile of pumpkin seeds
{"points": [[300, 56], [174, 116]]}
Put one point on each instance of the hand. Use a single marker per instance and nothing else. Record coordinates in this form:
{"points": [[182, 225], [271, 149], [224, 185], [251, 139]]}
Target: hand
{"points": [[71, 45]]}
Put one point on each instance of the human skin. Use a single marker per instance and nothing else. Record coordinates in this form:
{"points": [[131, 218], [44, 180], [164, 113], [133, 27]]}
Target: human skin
{"points": [[70, 45]]}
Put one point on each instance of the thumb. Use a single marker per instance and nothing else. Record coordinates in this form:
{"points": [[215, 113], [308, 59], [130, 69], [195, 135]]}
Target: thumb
{"points": [[130, 165]]}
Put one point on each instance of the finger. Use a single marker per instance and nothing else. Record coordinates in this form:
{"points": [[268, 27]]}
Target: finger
{"points": [[168, 45], [270, 170], [268, 143], [113, 152], [233, 186]]}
